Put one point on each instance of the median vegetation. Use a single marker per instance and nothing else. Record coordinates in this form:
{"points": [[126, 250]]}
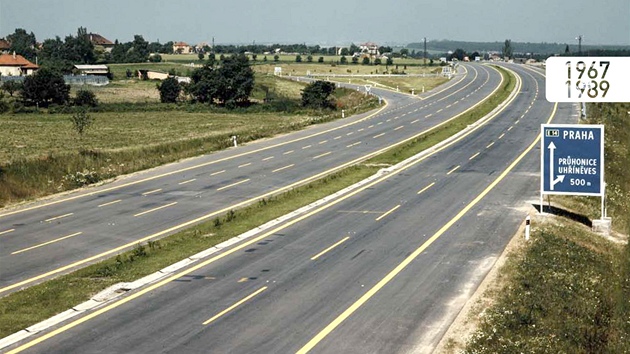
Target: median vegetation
{"points": [[568, 290], [39, 302]]}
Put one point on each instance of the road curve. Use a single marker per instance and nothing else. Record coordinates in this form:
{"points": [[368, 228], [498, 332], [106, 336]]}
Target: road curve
{"points": [[60, 234]]}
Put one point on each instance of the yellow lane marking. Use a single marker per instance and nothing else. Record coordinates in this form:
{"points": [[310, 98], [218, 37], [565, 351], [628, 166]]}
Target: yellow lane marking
{"points": [[355, 144], [288, 152], [323, 142], [47, 243], [155, 209], [376, 288], [110, 203], [196, 166], [59, 217], [415, 121], [153, 191], [388, 212], [329, 248], [453, 170], [217, 173], [322, 155], [249, 297], [268, 158], [425, 188], [306, 147], [337, 137], [245, 165], [501, 136], [402, 126], [489, 145], [186, 182], [6, 231], [240, 246], [378, 136], [473, 156], [282, 168], [233, 184]]}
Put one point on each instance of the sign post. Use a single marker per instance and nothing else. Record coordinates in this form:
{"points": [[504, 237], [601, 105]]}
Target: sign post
{"points": [[572, 160]]}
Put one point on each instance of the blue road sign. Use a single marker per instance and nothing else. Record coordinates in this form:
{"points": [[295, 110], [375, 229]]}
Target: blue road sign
{"points": [[572, 159]]}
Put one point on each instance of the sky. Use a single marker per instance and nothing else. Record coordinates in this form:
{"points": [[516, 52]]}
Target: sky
{"points": [[325, 22]]}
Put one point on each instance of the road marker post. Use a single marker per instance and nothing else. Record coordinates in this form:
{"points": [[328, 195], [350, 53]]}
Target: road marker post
{"points": [[234, 141], [343, 113], [527, 222]]}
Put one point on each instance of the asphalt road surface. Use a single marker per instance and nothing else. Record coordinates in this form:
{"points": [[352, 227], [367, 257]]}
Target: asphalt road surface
{"points": [[60, 234], [383, 270]]}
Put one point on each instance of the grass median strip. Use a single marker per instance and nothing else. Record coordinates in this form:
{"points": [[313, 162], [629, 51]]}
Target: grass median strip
{"points": [[39, 302]]}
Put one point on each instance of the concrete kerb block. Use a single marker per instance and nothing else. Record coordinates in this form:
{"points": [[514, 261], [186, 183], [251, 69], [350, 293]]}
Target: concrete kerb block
{"points": [[111, 292], [14, 338], [36, 328], [176, 266], [146, 280], [87, 305], [203, 254]]}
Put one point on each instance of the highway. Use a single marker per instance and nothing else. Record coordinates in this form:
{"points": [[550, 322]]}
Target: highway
{"points": [[65, 232], [385, 269]]}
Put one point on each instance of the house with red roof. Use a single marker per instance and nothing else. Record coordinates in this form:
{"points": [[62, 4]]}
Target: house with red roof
{"points": [[98, 40], [16, 65], [181, 48]]}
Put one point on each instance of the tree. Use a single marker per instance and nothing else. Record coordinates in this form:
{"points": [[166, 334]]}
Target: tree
{"points": [[459, 54], [155, 58], [298, 58], [389, 61], [320, 59], [384, 50], [309, 58], [343, 60], [169, 90], [355, 60], [344, 51], [85, 98], [567, 50], [81, 121], [316, 94], [507, 49], [276, 58], [377, 61], [265, 58], [200, 56], [23, 43], [44, 88], [212, 59], [365, 61], [254, 57], [353, 49], [230, 84], [11, 87], [404, 52]]}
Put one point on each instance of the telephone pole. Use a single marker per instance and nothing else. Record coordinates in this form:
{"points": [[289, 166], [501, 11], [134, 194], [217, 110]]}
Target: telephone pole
{"points": [[579, 38], [425, 51]]}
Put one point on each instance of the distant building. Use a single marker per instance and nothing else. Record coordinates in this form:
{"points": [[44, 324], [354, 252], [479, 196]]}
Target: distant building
{"points": [[4, 46], [92, 69], [98, 40], [16, 65], [370, 49], [181, 48]]}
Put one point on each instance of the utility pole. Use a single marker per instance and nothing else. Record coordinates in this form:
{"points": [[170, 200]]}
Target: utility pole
{"points": [[425, 51], [579, 38]]}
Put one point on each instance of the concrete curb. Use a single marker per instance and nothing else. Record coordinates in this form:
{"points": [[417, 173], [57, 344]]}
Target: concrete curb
{"points": [[119, 289]]}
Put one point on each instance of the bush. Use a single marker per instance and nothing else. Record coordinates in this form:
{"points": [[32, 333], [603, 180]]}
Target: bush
{"points": [[85, 98], [155, 58], [298, 58], [169, 90], [317, 94]]}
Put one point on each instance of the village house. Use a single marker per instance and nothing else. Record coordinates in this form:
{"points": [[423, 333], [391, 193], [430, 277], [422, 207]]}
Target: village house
{"points": [[98, 40], [181, 48], [369, 49], [16, 65]]}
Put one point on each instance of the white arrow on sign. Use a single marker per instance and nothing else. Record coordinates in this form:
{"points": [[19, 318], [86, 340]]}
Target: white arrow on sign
{"points": [[560, 178]]}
